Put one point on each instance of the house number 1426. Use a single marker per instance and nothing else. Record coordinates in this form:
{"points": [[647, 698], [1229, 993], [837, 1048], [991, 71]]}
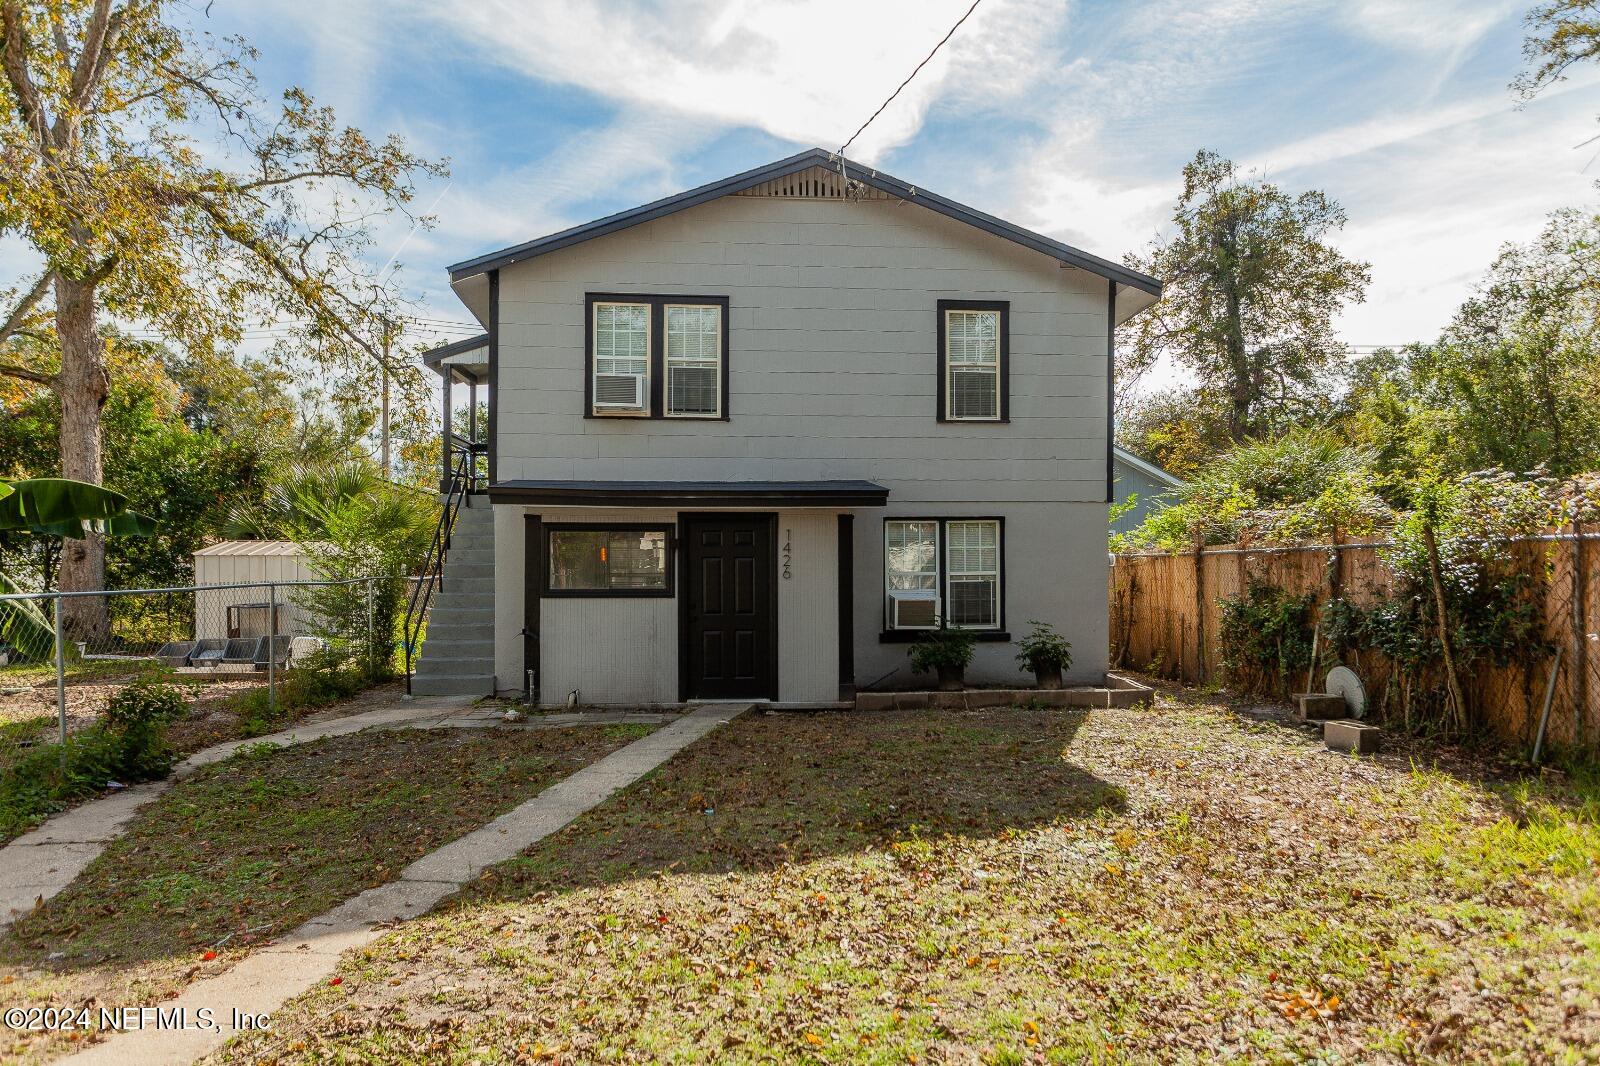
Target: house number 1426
{"points": [[788, 552]]}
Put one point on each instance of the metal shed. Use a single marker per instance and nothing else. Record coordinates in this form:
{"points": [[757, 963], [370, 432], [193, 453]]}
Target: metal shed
{"points": [[242, 612]]}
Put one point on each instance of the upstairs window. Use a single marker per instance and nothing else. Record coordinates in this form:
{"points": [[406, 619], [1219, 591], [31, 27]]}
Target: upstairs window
{"points": [[974, 357], [694, 361], [657, 356], [622, 357]]}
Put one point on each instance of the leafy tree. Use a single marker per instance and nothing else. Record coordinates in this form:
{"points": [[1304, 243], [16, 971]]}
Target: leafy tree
{"points": [[185, 478], [106, 180], [1560, 34], [1306, 482], [1512, 383], [1251, 290], [1180, 430], [352, 524], [1518, 370]]}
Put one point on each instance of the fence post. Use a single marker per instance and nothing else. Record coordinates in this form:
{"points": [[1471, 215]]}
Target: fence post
{"points": [[1577, 621], [272, 651], [61, 677], [371, 649], [1199, 607]]}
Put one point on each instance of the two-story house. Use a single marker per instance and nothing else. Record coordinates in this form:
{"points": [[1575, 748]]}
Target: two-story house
{"points": [[749, 441]]}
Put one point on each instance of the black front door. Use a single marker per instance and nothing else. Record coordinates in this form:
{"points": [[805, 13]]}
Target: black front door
{"points": [[730, 630]]}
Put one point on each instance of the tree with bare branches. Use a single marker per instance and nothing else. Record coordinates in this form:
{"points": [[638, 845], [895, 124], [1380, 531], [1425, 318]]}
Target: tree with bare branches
{"points": [[1252, 288], [140, 162]]}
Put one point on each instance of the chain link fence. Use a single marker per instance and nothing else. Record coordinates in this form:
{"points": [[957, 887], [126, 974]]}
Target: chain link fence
{"points": [[63, 656]]}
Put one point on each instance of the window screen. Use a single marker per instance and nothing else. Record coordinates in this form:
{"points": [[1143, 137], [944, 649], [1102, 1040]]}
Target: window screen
{"points": [[972, 361], [912, 553], [694, 360], [972, 561], [608, 559], [621, 353]]}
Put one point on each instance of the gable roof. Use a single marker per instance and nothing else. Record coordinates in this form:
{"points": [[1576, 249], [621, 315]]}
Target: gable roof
{"points": [[1149, 469], [875, 179]]}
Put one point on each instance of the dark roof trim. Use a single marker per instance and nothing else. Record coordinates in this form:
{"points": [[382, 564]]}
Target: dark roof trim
{"points": [[434, 356], [692, 493], [794, 164]]}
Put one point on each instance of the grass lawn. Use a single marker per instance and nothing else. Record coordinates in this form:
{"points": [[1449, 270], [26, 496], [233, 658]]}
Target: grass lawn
{"points": [[1005, 886], [253, 846]]}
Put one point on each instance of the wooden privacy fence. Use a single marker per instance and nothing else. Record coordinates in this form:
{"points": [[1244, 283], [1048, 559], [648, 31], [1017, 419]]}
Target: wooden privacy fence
{"points": [[1166, 618]]}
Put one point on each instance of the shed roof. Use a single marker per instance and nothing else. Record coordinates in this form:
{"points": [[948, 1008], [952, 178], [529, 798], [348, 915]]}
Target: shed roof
{"points": [[252, 547]]}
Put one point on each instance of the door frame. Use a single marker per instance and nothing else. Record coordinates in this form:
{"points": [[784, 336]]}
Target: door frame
{"points": [[686, 519]]}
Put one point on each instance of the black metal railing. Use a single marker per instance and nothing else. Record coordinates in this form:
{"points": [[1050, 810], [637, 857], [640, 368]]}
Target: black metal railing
{"points": [[464, 480], [476, 455]]}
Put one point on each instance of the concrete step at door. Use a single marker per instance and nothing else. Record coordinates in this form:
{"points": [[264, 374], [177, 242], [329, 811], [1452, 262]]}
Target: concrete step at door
{"points": [[463, 685], [458, 647], [480, 633], [469, 586], [453, 613], [432, 666], [457, 569]]}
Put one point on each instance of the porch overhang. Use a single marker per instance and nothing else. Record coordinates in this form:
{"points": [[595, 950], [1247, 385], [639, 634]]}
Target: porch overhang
{"points": [[468, 359], [691, 494]]}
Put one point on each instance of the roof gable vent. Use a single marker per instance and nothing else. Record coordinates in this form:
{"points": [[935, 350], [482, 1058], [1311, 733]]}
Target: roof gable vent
{"points": [[814, 183]]}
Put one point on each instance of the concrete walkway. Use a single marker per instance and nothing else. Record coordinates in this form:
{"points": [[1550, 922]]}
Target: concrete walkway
{"points": [[271, 976], [40, 864]]}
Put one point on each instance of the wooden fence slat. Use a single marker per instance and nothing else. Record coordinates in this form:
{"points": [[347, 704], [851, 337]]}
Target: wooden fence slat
{"points": [[1167, 611]]}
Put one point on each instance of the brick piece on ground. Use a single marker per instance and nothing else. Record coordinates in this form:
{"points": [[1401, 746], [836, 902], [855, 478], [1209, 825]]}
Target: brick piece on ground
{"points": [[1347, 734], [1316, 707]]}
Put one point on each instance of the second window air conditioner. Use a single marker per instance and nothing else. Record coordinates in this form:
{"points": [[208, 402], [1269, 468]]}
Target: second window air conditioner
{"points": [[620, 391]]}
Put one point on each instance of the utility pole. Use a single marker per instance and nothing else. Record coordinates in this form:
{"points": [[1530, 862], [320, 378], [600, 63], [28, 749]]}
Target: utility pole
{"points": [[388, 333]]}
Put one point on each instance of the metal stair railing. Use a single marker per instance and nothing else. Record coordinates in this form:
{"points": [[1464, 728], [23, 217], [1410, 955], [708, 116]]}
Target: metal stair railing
{"points": [[463, 479]]}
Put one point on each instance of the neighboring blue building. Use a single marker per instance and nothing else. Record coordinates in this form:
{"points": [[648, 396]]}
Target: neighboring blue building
{"points": [[1153, 485]]}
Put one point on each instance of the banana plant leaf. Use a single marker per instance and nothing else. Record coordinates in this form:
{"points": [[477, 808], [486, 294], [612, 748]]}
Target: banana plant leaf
{"points": [[23, 625], [69, 509]]}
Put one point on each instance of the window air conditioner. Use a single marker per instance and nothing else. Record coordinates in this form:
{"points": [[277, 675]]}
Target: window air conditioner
{"points": [[619, 391], [913, 609]]}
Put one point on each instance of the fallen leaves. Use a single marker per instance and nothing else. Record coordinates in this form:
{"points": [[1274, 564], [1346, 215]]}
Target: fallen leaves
{"points": [[995, 886]]}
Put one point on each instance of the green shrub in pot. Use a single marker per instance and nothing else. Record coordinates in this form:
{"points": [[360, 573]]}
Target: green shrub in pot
{"points": [[1045, 652], [945, 652]]}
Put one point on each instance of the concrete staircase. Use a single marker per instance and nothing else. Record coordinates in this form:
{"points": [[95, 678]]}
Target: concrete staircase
{"points": [[458, 651]]}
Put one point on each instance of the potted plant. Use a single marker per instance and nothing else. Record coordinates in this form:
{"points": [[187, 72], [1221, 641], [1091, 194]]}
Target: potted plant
{"points": [[1046, 653], [945, 652]]}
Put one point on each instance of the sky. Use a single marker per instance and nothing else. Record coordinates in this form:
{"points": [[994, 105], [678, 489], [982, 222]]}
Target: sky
{"points": [[1070, 117]]}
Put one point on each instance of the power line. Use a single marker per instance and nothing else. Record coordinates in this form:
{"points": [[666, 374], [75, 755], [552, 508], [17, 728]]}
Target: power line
{"points": [[913, 74]]}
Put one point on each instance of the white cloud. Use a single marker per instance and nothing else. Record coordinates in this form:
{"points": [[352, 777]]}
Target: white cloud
{"points": [[808, 72]]}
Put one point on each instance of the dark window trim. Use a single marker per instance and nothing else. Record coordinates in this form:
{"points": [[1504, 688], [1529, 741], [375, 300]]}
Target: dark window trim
{"points": [[548, 593], [533, 560], [658, 353], [907, 636], [1004, 384], [494, 375], [1111, 391], [845, 564]]}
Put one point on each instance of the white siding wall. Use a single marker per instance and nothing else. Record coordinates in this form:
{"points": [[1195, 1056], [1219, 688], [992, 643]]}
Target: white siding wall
{"points": [[832, 365], [832, 375], [625, 650], [808, 607]]}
